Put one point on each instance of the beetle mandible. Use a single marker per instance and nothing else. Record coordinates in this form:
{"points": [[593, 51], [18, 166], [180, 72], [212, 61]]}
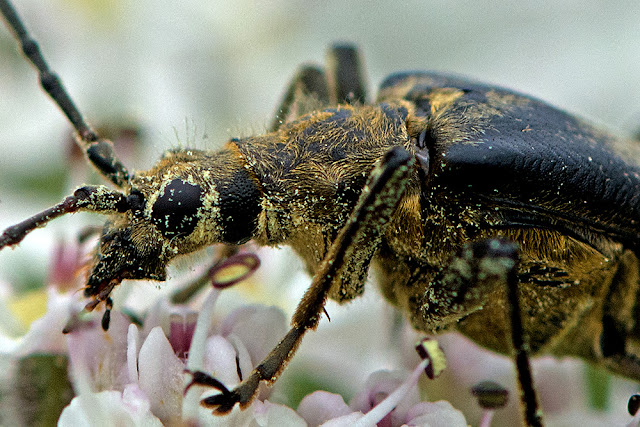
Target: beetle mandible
{"points": [[450, 189]]}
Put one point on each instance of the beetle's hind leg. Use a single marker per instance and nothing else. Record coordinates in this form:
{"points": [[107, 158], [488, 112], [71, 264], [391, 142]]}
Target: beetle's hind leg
{"points": [[307, 92]]}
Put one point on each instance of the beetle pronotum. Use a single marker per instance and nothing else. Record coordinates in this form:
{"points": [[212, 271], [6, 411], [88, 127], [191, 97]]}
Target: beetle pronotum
{"points": [[347, 183]]}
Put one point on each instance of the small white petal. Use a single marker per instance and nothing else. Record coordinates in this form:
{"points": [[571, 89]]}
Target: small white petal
{"points": [[260, 328], [242, 353], [269, 414], [133, 337], [344, 421], [44, 334], [220, 360], [115, 410], [160, 375]]}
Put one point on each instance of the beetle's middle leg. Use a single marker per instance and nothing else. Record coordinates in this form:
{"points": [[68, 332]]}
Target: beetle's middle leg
{"points": [[475, 274], [347, 261], [478, 271]]}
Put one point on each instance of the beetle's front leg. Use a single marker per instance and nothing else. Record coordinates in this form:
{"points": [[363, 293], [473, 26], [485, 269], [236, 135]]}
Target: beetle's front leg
{"points": [[344, 266]]}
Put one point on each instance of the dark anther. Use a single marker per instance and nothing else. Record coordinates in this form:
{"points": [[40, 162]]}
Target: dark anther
{"points": [[106, 319], [490, 395], [634, 404]]}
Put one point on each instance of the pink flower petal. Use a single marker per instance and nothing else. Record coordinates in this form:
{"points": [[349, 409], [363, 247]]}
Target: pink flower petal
{"points": [[260, 328], [435, 414], [65, 263], [102, 355], [321, 406]]}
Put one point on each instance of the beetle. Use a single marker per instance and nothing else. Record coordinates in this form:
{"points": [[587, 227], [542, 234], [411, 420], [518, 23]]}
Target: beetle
{"points": [[478, 207]]}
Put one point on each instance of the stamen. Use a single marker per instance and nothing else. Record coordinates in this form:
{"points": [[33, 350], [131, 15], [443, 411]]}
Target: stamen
{"points": [[378, 412], [491, 396], [222, 276], [431, 354]]}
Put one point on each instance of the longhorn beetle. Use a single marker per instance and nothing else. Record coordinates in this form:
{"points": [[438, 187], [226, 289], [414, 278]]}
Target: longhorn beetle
{"points": [[480, 209]]}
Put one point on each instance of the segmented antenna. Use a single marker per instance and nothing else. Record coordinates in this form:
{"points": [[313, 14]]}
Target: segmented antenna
{"points": [[99, 151], [93, 199]]}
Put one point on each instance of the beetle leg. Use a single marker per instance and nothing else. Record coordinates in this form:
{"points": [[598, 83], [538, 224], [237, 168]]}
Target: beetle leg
{"points": [[344, 75], [312, 89], [307, 92], [347, 260], [473, 276], [619, 339]]}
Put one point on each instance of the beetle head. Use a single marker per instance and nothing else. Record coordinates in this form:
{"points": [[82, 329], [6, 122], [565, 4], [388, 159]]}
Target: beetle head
{"points": [[189, 200]]}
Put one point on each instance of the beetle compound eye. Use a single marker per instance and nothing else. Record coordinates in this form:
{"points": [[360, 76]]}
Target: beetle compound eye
{"points": [[175, 210]]}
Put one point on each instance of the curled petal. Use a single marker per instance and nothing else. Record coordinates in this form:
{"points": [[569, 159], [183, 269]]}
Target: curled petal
{"points": [[233, 270], [220, 360]]}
